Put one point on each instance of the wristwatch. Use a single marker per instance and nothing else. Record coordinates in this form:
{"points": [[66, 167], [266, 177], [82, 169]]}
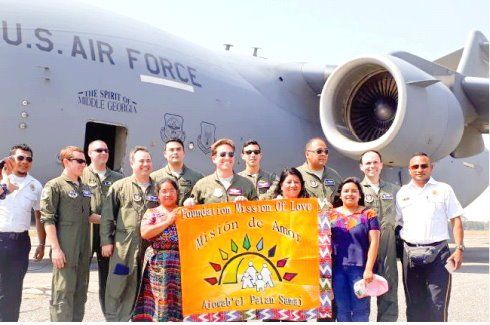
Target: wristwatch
{"points": [[460, 247]]}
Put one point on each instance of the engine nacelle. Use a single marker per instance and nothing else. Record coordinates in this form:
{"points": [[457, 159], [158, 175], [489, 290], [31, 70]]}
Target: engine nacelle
{"points": [[386, 104]]}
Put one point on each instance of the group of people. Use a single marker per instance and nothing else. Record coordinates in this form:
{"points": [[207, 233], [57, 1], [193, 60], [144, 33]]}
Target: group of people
{"points": [[129, 223]]}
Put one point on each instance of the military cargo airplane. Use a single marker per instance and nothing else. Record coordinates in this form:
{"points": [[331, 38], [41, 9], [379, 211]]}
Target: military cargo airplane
{"points": [[75, 73]]}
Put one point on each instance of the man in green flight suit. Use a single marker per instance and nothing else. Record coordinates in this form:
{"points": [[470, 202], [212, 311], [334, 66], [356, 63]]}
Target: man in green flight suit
{"points": [[185, 177], [320, 180], [380, 196], [264, 182], [66, 213], [126, 202], [99, 178], [223, 185]]}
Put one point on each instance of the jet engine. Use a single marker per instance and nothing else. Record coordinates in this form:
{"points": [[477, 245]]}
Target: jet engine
{"points": [[387, 104]]}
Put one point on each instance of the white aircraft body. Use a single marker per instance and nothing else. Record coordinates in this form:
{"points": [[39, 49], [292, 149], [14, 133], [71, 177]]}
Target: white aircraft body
{"points": [[72, 73]]}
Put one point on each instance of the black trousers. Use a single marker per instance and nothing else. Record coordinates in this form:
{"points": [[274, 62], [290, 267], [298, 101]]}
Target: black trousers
{"points": [[427, 289], [14, 260], [103, 266]]}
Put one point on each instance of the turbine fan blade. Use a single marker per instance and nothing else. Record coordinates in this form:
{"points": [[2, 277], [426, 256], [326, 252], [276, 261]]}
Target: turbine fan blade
{"points": [[374, 107]]}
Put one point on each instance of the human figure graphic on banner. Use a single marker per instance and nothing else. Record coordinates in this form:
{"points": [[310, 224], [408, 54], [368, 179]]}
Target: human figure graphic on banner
{"points": [[252, 272], [259, 283], [266, 276], [247, 281]]}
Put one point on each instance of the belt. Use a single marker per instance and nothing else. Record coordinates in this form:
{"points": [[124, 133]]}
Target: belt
{"points": [[14, 235], [430, 244]]}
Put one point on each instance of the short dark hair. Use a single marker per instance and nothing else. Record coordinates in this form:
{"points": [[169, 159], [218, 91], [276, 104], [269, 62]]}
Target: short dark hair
{"points": [[375, 151], [337, 202], [135, 150], [170, 180], [23, 147], [285, 173], [179, 141], [309, 142], [420, 153], [250, 142]]}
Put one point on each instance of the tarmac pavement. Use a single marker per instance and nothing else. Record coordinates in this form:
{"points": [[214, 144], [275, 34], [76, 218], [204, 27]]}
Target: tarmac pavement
{"points": [[469, 296]]}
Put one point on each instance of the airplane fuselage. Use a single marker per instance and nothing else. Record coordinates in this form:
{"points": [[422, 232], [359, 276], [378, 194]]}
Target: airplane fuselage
{"points": [[75, 76]]}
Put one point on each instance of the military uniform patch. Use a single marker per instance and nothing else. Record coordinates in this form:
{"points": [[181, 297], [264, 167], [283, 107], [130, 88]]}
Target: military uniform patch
{"points": [[136, 197], [329, 182], [234, 191], [313, 183], [218, 192], [107, 183], [87, 193], [368, 198], [263, 184], [73, 194], [152, 198], [386, 196]]}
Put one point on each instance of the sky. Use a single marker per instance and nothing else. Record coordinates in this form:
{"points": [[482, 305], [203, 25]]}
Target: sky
{"points": [[319, 31]]}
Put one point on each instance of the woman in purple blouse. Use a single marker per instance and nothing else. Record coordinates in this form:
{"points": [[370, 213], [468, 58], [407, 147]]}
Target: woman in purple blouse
{"points": [[355, 241]]}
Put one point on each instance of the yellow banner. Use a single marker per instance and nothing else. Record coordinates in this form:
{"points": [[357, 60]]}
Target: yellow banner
{"points": [[249, 255]]}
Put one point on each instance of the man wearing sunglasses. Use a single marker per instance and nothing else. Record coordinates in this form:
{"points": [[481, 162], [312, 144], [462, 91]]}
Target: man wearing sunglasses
{"points": [[223, 185], [263, 181], [99, 177], [380, 196], [320, 180], [24, 194], [185, 177], [66, 213], [423, 208]]}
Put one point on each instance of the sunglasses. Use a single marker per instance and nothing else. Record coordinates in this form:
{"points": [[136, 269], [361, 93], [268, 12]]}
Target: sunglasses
{"points": [[100, 150], [224, 154], [423, 166], [249, 152], [21, 158], [80, 161], [320, 151]]}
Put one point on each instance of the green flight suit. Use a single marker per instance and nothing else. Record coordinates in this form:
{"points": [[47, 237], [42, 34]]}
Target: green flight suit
{"points": [[123, 209], [67, 206], [210, 190], [320, 188], [186, 180], [383, 203], [264, 182], [99, 190]]}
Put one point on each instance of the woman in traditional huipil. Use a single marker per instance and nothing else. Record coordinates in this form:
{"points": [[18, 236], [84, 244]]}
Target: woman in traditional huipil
{"points": [[160, 296]]}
